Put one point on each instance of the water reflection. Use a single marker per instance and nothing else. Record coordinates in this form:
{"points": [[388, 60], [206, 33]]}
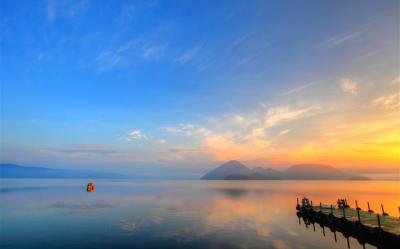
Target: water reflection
{"points": [[171, 214], [331, 235]]}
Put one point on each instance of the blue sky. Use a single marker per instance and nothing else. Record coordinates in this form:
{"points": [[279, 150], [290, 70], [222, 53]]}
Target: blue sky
{"points": [[117, 85]]}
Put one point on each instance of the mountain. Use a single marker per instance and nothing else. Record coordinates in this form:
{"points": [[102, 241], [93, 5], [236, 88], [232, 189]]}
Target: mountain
{"points": [[313, 171], [273, 173], [227, 169], [235, 170], [17, 171]]}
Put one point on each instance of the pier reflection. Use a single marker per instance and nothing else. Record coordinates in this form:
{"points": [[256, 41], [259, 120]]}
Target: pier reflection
{"points": [[338, 227]]}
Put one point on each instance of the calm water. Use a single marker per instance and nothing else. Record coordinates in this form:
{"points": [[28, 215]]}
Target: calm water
{"points": [[175, 214]]}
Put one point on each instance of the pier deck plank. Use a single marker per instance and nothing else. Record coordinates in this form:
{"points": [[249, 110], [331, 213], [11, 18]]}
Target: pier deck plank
{"points": [[388, 223]]}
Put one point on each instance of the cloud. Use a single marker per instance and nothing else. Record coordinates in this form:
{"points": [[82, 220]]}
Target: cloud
{"points": [[349, 86], [283, 132], [160, 141], [396, 81], [50, 11], [185, 150], [241, 136], [340, 39], [189, 130], [280, 114], [240, 40], [391, 101], [122, 56], [298, 89], [150, 52], [88, 146], [65, 9], [188, 55], [108, 59], [136, 134], [98, 149]]}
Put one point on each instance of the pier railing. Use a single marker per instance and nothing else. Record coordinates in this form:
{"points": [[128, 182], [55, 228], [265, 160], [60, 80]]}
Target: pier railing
{"points": [[380, 230]]}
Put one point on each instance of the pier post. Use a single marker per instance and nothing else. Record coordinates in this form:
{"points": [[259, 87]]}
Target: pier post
{"points": [[383, 211], [358, 212], [379, 225], [344, 213], [331, 209], [320, 207], [357, 205], [369, 209]]}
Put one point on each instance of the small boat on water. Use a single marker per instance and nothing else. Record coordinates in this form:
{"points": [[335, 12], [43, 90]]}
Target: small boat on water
{"points": [[90, 187]]}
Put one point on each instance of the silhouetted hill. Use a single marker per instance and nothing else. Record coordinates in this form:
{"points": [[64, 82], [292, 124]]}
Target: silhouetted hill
{"points": [[313, 171], [235, 170], [17, 171], [272, 173], [227, 169]]}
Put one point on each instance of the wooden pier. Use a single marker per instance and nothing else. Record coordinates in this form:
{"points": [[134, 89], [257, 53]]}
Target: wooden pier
{"points": [[379, 230]]}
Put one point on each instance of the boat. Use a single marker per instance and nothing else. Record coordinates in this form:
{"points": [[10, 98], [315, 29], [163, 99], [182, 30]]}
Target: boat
{"points": [[90, 187]]}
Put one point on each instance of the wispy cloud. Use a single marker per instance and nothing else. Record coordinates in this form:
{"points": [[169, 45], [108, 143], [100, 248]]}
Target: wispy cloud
{"points": [[283, 132], [97, 149], [185, 150], [340, 39], [391, 101], [189, 130], [349, 86], [50, 11], [396, 81], [188, 55], [124, 55], [151, 52], [298, 89], [65, 9], [160, 141], [240, 40], [281, 114]]}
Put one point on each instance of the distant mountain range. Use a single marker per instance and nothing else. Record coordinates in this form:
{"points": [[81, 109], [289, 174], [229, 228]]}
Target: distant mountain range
{"points": [[234, 170], [17, 171]]}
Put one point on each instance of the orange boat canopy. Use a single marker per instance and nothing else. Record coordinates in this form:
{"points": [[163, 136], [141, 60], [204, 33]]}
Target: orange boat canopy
{"points": [[90, 187]]}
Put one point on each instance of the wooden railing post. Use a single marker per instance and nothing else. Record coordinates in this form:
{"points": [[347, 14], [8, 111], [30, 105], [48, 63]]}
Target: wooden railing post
{"points": [[379, 225], [369, 209], [344, 213]]}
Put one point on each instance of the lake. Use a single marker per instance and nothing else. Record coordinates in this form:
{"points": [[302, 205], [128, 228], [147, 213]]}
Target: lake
{"points": [[50, 213]]}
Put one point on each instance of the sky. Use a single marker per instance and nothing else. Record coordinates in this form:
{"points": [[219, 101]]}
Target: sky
{"points": [[177, 87]]}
